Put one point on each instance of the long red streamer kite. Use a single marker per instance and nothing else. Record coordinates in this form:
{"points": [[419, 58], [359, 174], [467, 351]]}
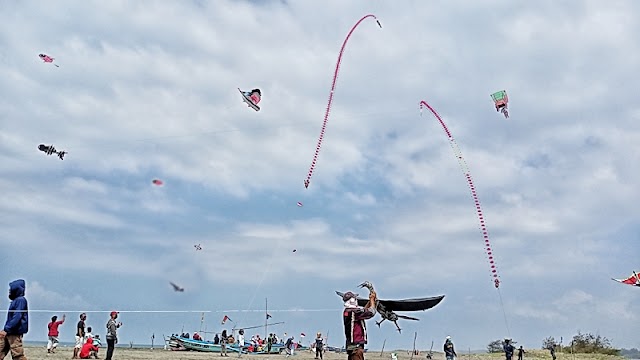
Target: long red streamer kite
{"points": [[467, 175], [333, 87]]}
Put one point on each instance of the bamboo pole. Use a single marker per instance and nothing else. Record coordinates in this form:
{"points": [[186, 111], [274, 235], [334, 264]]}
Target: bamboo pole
{"points": [[415, 335]]}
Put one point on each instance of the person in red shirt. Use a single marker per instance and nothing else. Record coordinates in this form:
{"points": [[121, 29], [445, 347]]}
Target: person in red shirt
{"points": [[53, 333], [87, 349]]}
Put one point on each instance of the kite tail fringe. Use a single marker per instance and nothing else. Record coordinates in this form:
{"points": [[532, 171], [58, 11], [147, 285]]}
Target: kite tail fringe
{"points": [[336, 72]]}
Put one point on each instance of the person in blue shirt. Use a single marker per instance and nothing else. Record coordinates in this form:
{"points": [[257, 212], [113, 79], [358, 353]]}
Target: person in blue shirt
{"points": [[17, 323]]}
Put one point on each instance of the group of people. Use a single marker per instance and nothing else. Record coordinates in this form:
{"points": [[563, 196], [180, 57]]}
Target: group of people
{"points": [[507, 347], [87, 344], [17, 325]]}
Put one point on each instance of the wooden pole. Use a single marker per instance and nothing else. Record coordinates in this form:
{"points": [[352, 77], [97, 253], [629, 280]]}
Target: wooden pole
{"points": [[266, 317], [326, 342], [384, 342], [415, 335]]}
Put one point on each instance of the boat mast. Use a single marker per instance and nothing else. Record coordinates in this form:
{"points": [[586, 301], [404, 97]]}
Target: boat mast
{"points": [[201, 321], [266, 317]]}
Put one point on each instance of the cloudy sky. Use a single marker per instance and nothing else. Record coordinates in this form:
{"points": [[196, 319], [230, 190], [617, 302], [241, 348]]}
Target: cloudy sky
{"points": [[148, 90]]}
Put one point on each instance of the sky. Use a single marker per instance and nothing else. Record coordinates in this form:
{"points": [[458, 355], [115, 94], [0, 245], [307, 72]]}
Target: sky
{"points": [[148, 90]]}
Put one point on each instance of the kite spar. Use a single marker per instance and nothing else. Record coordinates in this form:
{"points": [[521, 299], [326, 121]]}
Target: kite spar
{"points": [[333, 87]]}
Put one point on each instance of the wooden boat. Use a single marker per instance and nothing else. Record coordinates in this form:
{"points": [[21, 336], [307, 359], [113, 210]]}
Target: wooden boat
{"points": [[174, 343], [207, 346]]}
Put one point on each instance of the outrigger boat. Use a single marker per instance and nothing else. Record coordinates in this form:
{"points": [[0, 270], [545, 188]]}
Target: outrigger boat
{"points": [[208, 346], [176, 342]]}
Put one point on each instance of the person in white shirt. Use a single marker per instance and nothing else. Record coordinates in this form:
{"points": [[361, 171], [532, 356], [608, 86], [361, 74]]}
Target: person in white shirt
{"points": [[241, 338]]}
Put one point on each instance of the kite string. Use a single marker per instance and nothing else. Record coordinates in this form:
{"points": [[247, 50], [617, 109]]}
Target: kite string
{"points": [[212, 132], [504, 313], [331, 93], [264, 275], [168, 311]]}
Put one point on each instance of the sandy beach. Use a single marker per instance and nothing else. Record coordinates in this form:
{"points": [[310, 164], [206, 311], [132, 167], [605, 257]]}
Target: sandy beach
{"points": [[40, 352]]}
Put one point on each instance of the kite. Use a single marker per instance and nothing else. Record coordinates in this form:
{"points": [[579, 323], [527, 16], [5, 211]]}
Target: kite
{"points": [[176, 287], [49, 150], [472, 187], [252, 98], [300, 204], [633, 280], [48, 59], [157, 182], [225, 318], [198, 247], [387, 308], [501, 101], [333, 88]]}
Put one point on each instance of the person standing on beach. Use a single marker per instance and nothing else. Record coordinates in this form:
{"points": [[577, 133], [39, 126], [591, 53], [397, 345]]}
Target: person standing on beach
{"points": [[269, 343], [241, 338], [17, 323], [79, 335], [552, 349], [508, 349], [319, 346], [224, 339], [449, 350], [521, 353], [54, 333], [355, 328], [112, 334]]}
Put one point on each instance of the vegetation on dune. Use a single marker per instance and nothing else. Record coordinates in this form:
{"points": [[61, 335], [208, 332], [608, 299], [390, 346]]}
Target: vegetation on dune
{"points": [[584, 344]]}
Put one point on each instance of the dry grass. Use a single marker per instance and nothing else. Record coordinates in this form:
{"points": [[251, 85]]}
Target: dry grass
{"points": [[139, 354]]}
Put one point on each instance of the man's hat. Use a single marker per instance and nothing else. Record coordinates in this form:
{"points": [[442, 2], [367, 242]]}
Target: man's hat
{"points": [[349, 295]]}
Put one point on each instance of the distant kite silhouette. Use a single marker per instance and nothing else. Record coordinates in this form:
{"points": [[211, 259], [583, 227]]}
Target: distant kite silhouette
{"points": [[49, 150], [176, 287]]}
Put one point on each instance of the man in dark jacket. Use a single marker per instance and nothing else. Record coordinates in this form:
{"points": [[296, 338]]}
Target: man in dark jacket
{"points": [[449, 349], [508, 349], [17, 322]]}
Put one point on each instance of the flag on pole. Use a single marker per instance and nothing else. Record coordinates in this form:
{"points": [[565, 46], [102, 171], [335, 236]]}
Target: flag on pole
{"points": [[269, 316], [225, 318]]}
